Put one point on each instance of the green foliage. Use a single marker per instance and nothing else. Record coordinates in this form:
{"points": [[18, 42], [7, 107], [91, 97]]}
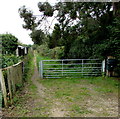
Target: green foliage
{"points": [[57, 52], [28, 66], [19, 86], [55, 38], [86, 30], [43, 50], [28, 18], [95, 35], [78, 110], [46, 8], [37, 36], [9, 43], [0, 99], [15, 99], [54, 53], [114, 40], [79, 48], [9, 60], [103, 90]]}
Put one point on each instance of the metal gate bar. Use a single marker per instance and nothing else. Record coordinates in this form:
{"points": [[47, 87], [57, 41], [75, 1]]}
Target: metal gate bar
{"points": [[69, 67]]}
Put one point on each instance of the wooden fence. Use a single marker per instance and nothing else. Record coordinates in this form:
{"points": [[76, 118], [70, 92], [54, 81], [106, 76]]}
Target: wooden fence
{"points": [[10, 79]]}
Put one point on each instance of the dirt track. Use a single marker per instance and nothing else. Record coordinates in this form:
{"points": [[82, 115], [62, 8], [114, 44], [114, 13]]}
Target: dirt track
{"points": [[55, 111], [35, 100]]}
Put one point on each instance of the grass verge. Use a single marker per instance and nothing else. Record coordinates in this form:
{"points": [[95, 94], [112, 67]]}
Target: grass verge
{"points": [[84, 96]]}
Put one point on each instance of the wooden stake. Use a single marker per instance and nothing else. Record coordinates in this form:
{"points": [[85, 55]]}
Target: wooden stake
{"points": [[3, 87]]}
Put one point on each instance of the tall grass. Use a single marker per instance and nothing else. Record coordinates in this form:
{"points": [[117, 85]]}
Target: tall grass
{"points": [[28, 66]]}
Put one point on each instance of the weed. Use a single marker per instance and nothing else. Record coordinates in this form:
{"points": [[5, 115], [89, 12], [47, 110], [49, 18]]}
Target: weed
{"points": [[0, 99], [103, 90], [84, 88], [60, 94], [33, 88], [15, 99], [77, 110], [23, 112], [19, 86]]}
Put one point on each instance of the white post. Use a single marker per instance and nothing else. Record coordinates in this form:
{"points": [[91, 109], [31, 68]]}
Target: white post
{"points": [[62, 67], [17, 54], [41, 69], [82, 66], [103, 66]]}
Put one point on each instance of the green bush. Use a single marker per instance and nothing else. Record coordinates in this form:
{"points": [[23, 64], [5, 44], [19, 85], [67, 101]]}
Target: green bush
{"points": [[54, 53], [8, 60], [28, 66], [57, 52], [43, 50], [9, 43]]}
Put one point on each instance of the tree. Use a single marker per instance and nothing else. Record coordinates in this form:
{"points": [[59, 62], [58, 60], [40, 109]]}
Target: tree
{"points": [[55, 38], [90, 27], [37, 36], [46, 8], [28, 17], [9, 43]]}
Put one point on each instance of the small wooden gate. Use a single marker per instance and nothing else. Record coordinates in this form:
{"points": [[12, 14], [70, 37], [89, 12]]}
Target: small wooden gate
{"points": [[73, 68]]}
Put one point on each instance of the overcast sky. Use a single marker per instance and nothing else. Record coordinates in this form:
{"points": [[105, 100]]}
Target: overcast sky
{"points": [[10, 20]]}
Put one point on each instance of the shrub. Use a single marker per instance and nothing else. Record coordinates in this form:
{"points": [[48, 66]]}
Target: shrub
{"points": [[43, 50], [28, 66], [54, 53], [57, 52], [8, 60], [9, 43]]}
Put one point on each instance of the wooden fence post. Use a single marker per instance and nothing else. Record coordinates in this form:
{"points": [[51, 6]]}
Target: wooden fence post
{"points": [[3, 87], [12, 78], [9, 84]]}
